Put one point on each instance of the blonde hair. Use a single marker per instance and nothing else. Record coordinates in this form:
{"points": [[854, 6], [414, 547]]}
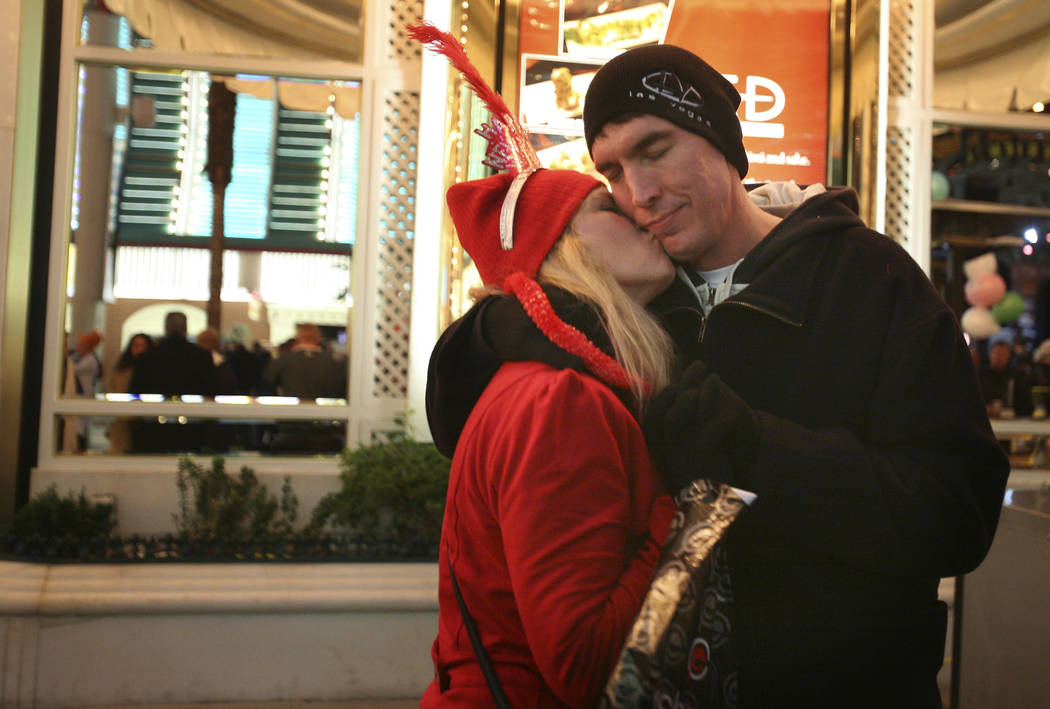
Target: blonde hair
{"points": [[208, 339], [640, 344]]}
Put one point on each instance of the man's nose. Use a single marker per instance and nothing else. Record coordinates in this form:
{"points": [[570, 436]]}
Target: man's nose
{"points": [[642, 188]]}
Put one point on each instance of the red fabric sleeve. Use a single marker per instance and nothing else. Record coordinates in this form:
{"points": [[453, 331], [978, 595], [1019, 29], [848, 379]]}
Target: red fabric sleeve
{"points": [[575, 506]]}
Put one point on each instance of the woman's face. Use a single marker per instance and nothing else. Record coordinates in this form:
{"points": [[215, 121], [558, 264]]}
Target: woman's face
{"points": [[635, 259], [138, 346]]}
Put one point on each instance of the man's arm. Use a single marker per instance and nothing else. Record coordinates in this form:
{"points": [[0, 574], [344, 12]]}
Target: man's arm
{"points": [[919, 492]]}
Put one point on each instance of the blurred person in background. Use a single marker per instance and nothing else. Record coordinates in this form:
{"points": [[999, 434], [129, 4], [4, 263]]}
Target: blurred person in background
{"points": [[225, 376], [119, 381], [307, 369], [83, 371], [173, 368]]}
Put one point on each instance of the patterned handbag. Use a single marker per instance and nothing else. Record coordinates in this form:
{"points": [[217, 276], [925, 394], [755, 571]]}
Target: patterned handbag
{"points": [[679, 652]]}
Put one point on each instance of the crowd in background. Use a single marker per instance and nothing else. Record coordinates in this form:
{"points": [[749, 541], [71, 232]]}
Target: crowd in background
{"points": [[305, 366], [1014, 377]]}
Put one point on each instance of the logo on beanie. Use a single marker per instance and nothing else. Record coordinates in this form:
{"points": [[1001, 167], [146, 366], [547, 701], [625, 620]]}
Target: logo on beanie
{"points": [[665, 84], [670, 86]]}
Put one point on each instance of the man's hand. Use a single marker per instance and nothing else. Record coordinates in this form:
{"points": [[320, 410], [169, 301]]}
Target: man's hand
{"points": [[698, 427]]}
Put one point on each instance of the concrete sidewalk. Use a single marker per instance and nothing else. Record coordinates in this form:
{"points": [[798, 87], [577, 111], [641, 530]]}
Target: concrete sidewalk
{"points": [[354, 704]]}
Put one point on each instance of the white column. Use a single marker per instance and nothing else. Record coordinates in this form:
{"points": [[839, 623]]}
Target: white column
{"points": [[904, 126], [430, 213], [96, 157]]}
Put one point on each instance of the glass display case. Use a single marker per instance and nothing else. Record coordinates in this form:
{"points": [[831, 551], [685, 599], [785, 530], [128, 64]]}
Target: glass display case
{"points": [[990, 206]]}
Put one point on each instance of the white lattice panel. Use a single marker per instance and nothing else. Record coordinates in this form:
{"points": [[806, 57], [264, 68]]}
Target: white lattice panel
{"points": [[902, 45], [902, 90], [400, 47], [899, 155], [396, 233]]}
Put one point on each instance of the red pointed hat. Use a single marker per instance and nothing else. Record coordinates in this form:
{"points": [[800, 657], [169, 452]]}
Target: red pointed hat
{"points": [[547, 201], [508, 248], [484, 210]]}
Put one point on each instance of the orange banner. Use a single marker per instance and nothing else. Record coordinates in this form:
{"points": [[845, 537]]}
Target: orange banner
{"points": [[774, 51], [776, 54]]}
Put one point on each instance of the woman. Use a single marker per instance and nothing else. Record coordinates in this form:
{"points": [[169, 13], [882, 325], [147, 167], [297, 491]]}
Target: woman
{"points": [[554, 516], [139, 344], [119, 431]]}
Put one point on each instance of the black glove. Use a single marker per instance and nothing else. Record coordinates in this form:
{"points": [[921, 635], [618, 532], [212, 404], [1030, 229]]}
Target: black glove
{"points": [[698, 427]]}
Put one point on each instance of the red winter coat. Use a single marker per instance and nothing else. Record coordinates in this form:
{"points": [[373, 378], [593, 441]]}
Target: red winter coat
{"points": [[553, 523]]}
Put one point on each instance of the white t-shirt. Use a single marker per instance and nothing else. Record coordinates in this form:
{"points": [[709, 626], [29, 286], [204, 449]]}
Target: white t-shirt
{"points": [[712, 287]]}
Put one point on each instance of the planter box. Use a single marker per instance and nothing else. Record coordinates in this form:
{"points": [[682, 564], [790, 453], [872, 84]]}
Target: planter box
{"points": [[128, 634]]}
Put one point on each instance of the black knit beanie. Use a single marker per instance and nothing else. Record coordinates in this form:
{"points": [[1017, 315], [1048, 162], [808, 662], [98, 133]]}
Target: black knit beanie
{"points": [[671, 83]]}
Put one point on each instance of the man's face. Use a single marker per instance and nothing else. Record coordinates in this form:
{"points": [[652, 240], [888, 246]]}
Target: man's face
{"points": [[673, 183]]}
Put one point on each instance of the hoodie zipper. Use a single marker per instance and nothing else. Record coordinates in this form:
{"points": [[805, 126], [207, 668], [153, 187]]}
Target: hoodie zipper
{"points": [[749, 306]]}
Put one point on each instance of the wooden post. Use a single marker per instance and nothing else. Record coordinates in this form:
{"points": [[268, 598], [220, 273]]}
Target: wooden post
{"points": [[222, 107]]}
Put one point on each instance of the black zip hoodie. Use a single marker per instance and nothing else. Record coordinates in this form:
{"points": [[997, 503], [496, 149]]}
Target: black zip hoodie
{"points": [[497, 330], [827, 214], [876, 473]]}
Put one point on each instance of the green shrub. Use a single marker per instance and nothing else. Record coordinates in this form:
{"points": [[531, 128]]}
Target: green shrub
{"points": [[53, 516], [213, 504], [393, 489]]}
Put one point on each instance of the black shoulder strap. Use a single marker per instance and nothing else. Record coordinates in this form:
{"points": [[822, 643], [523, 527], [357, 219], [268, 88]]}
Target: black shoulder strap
{"points": [[479, 650]]}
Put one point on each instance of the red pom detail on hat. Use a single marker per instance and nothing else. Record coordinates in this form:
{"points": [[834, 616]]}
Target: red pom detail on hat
{"points": [[564, 335]]}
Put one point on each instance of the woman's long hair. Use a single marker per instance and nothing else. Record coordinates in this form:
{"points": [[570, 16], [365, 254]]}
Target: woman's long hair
{"points": [[640, 344], [126, 360]]}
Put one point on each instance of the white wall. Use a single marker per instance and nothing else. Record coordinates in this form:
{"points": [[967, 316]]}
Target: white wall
{"points": [[133, 634]]}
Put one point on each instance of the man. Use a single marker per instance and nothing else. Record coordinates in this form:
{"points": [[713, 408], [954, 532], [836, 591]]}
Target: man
{"points": [[308, 371], [828, 377], [173, 368]]}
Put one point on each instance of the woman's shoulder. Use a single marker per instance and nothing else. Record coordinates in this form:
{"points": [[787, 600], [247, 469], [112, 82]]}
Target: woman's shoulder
{"points": [[535, 422], [550, 402], [527, 382]]}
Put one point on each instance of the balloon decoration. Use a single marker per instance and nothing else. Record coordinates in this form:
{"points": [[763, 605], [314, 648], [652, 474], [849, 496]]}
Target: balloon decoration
{"points": [[1009, 308], [940, 188], [992, 306], [980, 266], [985, 291], [979, 323]]}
